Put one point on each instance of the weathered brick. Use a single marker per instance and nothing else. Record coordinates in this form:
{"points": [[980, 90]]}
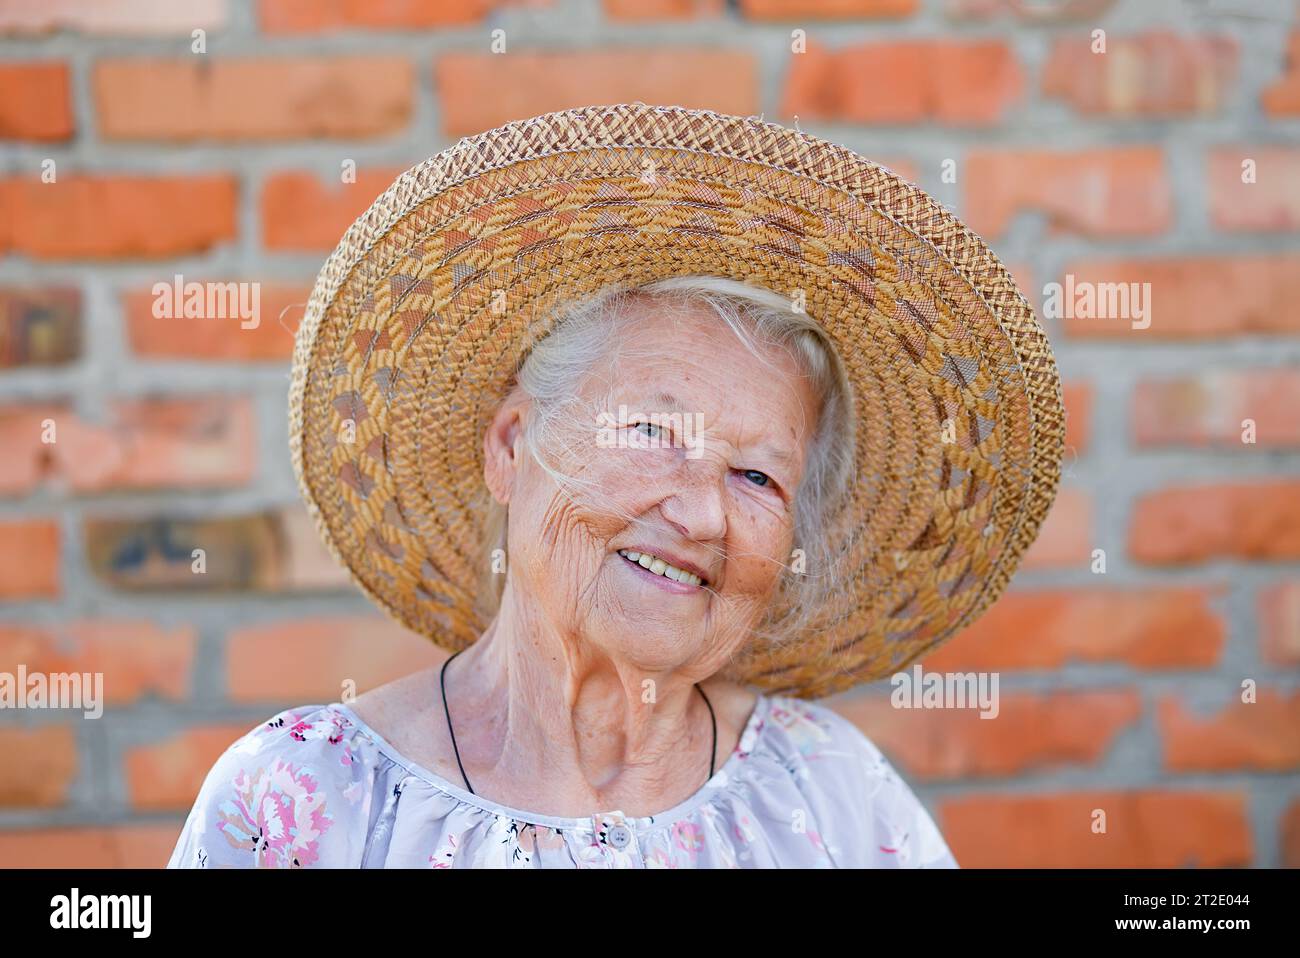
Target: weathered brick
{"points": [[35, 101], [1279, 623], [1155, 74], [302, 213], [1282, 99], [168, 774], [1290, 831], [1157, 628], [39, 767], [121, 17], [1144, 829], [309, 660], [904, 81], [269, 552], [1078, 398], [826, 9], [1197, 296], [39, 326], [1031, 732], [525, 84], [1065, 538], [1240, 520], [1268, 201], [1209, 409], [217, 338], [148, 443], [1108, 191], [29, 559], [114, 217], [321, 16], [1263, 735], [274, 98], [663, 9], [137, 658], [112, 846]]}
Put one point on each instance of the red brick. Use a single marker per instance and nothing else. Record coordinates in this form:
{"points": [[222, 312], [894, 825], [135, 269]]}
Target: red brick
{"points": [[39, 767], [1078, 416], [1290, 829], [143, 444], [1199, 296], [274, 98], [904, 81], [270, 552], [1263, 735], [1030, 732], [35, 102], [124, 17], [826, 9], [302, 213], [151, 337], [1147, 829], [39, 326], [137, 658], [1146, 628], [1208, 410], [1108, 191], [321, 16], [1279, 623], [108, 217], [1269, 204], [29, 559], [1283, 97], [308, 660], [114, 846], [663, 9], [167, 775], [524, 84], [1065, 538], [1242, 520], [1155, 74]]}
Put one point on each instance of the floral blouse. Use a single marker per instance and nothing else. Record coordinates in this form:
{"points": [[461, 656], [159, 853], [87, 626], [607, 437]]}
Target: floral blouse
{"points": [[317, 787]]}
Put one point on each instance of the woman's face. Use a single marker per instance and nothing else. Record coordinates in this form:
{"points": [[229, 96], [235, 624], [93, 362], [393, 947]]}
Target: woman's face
{"points": [[700, 469]]}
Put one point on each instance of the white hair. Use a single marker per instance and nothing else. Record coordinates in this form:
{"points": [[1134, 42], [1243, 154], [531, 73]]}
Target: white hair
{"points": [[585, 331]]}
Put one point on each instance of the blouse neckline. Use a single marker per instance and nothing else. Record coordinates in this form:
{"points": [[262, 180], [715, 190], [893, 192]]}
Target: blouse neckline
{"points": [[750, 735]]}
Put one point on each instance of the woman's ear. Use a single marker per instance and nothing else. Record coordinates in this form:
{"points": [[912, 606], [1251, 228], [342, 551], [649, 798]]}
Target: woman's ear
{"points": [[502, 446]]}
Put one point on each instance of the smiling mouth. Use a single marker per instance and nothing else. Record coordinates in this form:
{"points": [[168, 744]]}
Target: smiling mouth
{"points": [[657, 566]]}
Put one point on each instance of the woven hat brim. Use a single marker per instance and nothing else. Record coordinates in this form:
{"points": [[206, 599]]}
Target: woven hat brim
{"points": [[419, 317]]}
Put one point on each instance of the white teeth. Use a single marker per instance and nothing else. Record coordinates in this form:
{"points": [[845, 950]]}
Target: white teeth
{"points": [[660, 567]]}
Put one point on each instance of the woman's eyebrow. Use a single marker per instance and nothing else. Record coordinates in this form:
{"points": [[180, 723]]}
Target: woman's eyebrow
{"points": [[666, 400]]}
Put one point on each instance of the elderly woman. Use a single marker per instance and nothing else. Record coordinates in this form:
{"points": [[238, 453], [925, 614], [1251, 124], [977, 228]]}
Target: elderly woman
{"points": [[639, 510]]}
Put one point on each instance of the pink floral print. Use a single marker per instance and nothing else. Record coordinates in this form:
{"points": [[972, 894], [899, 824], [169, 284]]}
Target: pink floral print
{"points": [[316, 787]]}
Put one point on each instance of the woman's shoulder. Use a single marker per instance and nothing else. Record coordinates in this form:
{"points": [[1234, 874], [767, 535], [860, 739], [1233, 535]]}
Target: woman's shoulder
{"points": [[847, 777], [287, 793]]}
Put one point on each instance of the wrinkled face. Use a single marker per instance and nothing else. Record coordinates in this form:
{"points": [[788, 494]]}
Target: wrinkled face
{"points": [[697, 474]]}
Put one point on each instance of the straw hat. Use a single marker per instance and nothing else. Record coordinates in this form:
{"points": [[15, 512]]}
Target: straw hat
{"points": [[419, 317]]}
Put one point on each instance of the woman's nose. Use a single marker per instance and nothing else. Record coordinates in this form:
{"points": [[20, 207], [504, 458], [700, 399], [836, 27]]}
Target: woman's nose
{"points": [[697, 501]]}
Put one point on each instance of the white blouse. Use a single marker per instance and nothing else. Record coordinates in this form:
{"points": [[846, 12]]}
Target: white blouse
{"points": [[316, 787]]}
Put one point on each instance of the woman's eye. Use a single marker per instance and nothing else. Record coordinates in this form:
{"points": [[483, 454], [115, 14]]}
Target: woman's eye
{"points": [[648, 426], [762, 480]]}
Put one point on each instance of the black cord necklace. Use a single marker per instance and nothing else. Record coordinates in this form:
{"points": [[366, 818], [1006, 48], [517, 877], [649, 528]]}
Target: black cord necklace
{"points": [[443, 682]]}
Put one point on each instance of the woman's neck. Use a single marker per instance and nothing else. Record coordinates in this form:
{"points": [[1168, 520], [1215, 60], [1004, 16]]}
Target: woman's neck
{"points": [[548, 722]]}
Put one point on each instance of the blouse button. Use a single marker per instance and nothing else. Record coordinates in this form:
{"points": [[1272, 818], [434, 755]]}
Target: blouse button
{"points": [[619, 836]]}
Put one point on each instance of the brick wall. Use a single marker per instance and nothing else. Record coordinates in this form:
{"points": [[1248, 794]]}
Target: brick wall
{"points": [[1122, 689]]}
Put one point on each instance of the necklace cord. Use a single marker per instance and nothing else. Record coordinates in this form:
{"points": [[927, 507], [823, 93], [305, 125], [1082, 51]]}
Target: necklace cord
{"points": [[442, 678]]}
